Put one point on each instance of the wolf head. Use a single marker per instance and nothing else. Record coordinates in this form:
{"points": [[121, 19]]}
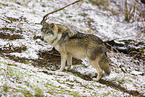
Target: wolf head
{"points": [[49, 28], [52, 32]]}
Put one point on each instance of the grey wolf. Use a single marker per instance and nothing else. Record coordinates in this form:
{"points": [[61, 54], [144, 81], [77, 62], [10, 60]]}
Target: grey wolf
{"points": [[71, 43]]}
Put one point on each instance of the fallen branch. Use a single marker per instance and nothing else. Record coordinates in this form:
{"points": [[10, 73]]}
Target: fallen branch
{"points": [[5, 20], [137, 54], [45, 17]]}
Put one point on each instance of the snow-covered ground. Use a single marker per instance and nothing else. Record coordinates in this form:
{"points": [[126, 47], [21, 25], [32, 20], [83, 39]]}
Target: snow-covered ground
{"points": [[23, 79]]}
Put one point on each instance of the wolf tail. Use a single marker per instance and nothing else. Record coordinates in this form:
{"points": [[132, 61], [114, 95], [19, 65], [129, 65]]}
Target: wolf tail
{"points": [[104, 64]]}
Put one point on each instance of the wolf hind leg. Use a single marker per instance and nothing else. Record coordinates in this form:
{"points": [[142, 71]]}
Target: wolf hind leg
{"points": [[95, 64]]}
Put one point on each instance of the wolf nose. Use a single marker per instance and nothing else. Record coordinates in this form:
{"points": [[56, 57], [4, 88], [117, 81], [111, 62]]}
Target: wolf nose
{"points": [[42, 39], [41, 29]]}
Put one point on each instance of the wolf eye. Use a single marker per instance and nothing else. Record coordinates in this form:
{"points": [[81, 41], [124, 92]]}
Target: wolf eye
{"points": [[43, 29], [52, 25]]}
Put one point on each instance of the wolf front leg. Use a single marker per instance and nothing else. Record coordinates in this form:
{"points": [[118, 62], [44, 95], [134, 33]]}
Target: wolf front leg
{"points": [[69, 61], [63, 61], [95, 64]]}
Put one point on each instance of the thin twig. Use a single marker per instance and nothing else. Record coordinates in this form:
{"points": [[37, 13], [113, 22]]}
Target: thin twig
{"points": [[45, 17]]}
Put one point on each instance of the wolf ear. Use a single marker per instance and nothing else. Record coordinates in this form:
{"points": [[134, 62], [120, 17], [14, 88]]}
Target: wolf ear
{"points": [[52, 25], [68, 31]]}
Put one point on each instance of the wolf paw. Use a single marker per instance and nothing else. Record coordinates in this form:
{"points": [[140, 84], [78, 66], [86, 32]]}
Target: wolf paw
{"points": [[59, 70], [68, 67], [96, 79]]}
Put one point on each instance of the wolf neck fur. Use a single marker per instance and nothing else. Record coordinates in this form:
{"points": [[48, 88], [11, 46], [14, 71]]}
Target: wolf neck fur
{"points": [[56, 40], [64, 33]]}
